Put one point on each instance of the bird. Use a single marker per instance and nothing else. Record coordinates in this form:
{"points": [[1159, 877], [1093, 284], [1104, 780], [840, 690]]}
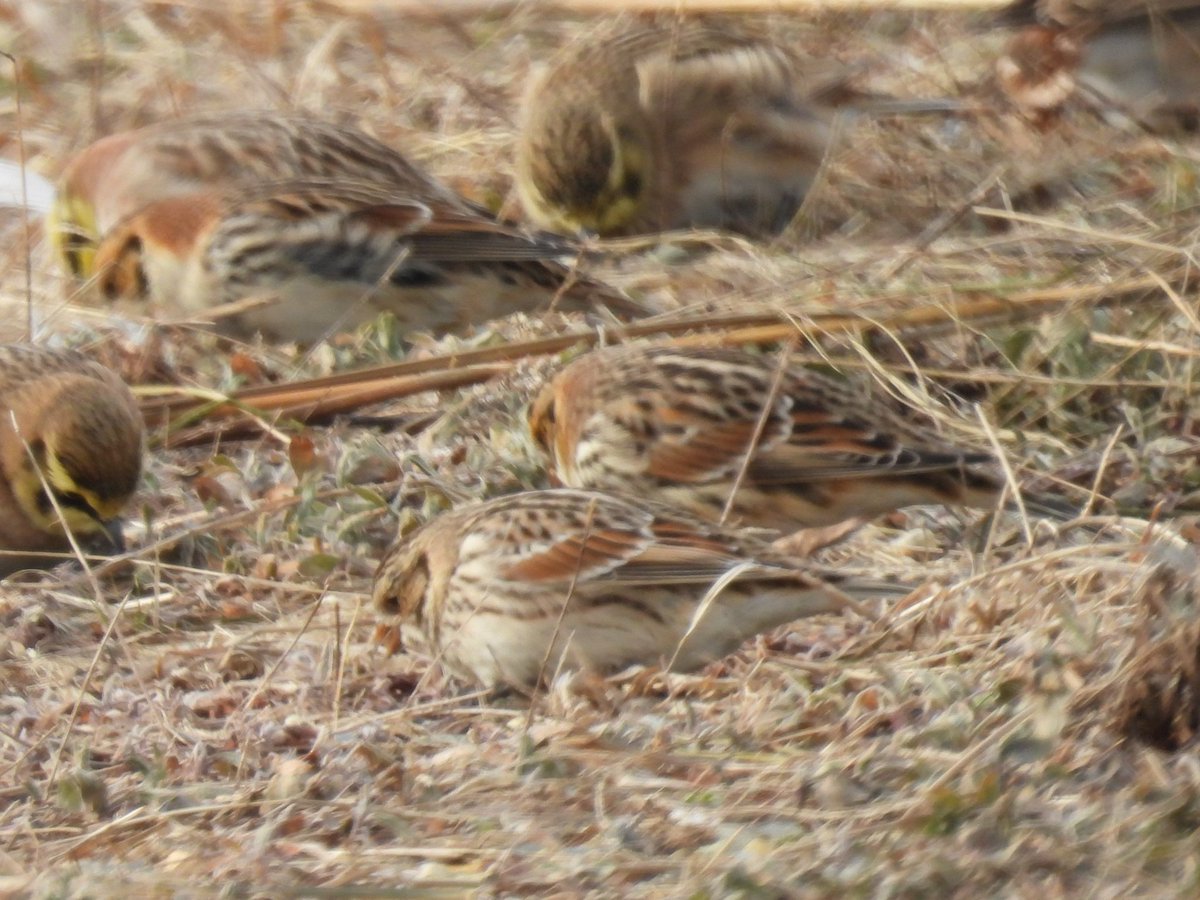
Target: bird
{"points": [[656, 125], [664, 123], [1037, 69], [114, 177], [327, 255], [71, 439], [508, 591], [1139, 57], [677, 424]]}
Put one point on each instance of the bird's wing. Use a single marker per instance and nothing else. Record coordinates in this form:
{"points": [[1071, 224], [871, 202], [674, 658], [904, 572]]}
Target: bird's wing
{"points": [[604, 542]]}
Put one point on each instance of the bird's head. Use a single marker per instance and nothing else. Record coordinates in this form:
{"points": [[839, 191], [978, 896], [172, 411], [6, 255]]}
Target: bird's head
{"points": [[76, 446], [587, 170], [73, 224], [403, 580]]}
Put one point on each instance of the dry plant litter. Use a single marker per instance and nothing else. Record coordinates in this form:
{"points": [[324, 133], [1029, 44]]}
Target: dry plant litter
{"points": [[217, 715]]}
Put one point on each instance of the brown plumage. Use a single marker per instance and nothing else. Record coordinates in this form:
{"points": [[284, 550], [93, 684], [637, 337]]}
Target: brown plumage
{"points": [[118, 174], [676, 424], [1141, 57], [78, 424], [651, 126], [579, 579], [328, 255]]}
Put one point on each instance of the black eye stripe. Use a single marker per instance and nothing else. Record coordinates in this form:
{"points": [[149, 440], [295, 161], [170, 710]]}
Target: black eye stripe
{"points": [[75, 501], [66, 500]]}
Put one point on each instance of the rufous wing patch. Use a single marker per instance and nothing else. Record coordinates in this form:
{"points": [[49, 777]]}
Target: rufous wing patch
{"points": [[707, 450], [405, 218], [579, 556]]}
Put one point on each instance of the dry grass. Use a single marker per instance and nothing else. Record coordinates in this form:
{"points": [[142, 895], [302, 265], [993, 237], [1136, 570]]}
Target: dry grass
{"points": [[216, 716]]}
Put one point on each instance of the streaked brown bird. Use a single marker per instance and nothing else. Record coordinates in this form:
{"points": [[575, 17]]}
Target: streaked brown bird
{"points": [[652, 126], [325, 256], [70, 454], [1140, 57], [1038, 68], [118, 174], [510, 589], [677, 425]]}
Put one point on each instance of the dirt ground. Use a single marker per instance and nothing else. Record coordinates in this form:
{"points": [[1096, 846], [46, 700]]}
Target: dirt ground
{"points": [[217, 715]]}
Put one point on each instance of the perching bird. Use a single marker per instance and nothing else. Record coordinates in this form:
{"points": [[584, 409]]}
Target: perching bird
{"points": [[70, 454], [677, 424], [117, 175], [669, 125], [328, 255], [1140, 57], [511, 588]]}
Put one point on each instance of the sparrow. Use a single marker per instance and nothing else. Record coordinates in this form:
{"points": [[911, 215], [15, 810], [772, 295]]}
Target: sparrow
{"points": [[328, 255], [1140, 57], [677, 425], [662, 125], [71, 439], [509, 591], [118, 174]]}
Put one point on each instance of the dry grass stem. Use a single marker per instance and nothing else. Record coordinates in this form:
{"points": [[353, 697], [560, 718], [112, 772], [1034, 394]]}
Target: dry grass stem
{"points": [[216, 711]]}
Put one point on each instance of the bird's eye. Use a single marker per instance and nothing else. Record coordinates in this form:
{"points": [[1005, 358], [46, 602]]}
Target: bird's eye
{"points": [[406, 590], [388, 604], [124, 275], [72, 500], [632, 183], [627, 136], [110, 285], [542, 417], [74, 247]]}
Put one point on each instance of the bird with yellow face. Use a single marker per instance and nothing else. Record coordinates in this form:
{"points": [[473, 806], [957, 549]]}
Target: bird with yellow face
{"points": [[119, 174], [670, 124], [327, 255], [71, 439]]}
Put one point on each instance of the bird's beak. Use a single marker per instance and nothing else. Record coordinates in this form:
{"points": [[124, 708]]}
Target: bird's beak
{"points": [[114, 530]]}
